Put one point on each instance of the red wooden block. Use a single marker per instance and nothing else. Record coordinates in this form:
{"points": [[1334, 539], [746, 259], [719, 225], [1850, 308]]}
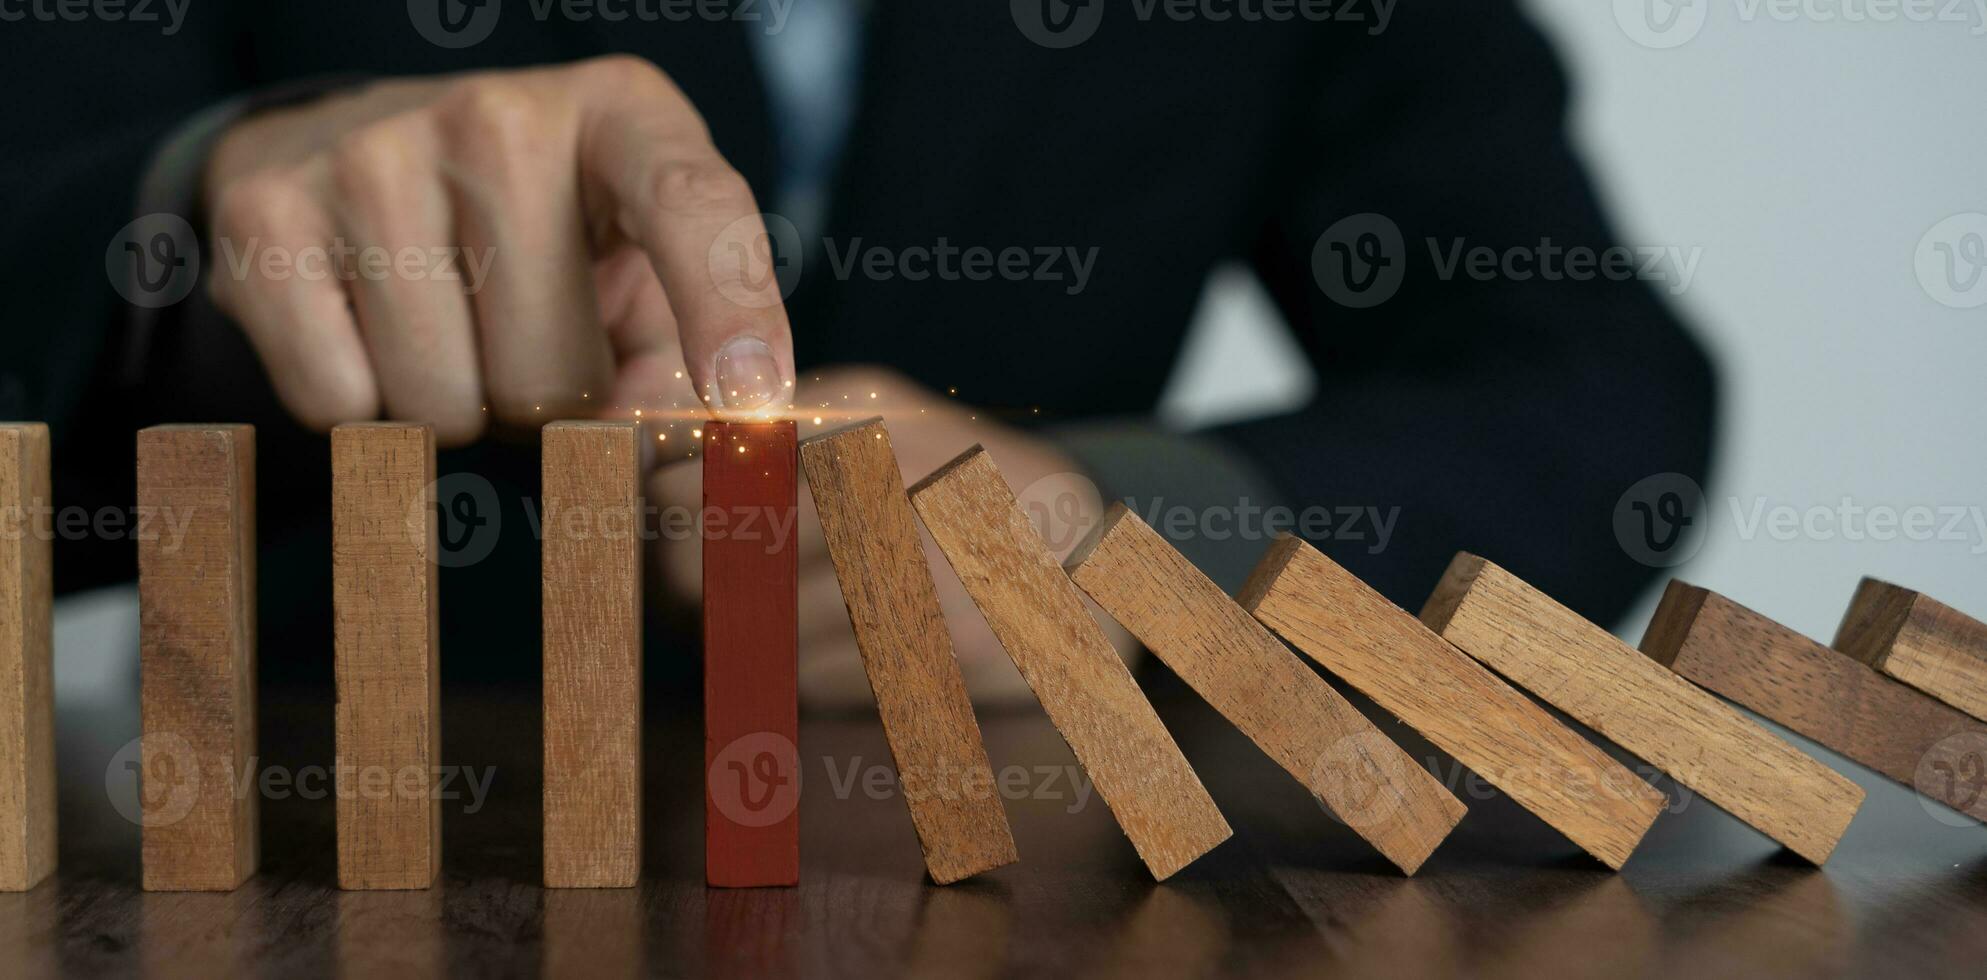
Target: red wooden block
{"points": [[751, 670]]}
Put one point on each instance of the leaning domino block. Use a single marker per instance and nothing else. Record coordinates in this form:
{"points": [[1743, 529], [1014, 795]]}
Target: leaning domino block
{"points": [[934, 738], [1260, 686], [1824, 695], [1039, 617], [1503, 736], [1920, 641], [1604, 684], [27, 671]]}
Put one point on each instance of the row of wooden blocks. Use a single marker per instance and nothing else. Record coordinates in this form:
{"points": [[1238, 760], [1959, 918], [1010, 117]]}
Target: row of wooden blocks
{"points": [[1903, 690]]}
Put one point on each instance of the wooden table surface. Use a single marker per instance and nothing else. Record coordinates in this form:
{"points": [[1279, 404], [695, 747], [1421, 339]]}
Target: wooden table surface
{"points": [[1294, 893]]}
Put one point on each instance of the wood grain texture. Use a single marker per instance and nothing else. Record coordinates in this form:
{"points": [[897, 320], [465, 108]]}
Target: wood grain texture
{"points": [[1920, 641], [751, 650], [1256, 682], [27, 667], [1462, 708], [384, 607], [1822, 694], [1604, 684], [197, 649], [1038, 615], [592, 653], [907, 652]]}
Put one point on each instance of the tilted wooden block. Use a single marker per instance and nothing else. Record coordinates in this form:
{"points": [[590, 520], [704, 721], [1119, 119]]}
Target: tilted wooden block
{"points": [[1824, 695], [1920, 641], [591, 474], [197, 636], [1257, 683], [384, 608], [907, 652], [1503, 736], [1039, 617], [751, 649], [1604, 684], [27, 668]]}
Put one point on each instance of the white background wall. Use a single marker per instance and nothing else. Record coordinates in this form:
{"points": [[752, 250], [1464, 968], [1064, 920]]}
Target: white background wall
{"points": [[1807, 158]]}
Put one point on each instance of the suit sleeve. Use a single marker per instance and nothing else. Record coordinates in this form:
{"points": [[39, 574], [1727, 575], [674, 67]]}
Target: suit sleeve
{"points": [[1504, 413]]}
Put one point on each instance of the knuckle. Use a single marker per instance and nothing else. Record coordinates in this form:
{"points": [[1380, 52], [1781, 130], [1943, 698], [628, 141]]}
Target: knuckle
{"points": [[490, 119], [368, 163], [258, 204], [700, 186], [623, 72]]}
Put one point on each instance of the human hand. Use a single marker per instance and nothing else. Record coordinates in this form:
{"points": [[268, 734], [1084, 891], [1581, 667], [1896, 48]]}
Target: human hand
{"points": [[507, 247]]}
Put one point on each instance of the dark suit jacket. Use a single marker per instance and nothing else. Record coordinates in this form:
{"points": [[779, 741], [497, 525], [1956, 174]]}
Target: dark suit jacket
{"points": [[1502, 416]]}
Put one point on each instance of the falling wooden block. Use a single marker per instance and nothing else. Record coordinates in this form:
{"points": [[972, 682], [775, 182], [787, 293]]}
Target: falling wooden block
{"points": [[1039, 617], [1604, 684], [751, 648], [1500, 734], [907, 652], [1822, 694], [197, 635], [1920, 641], [388, 648], [593, 654], [1255, 682], [27, 670]]}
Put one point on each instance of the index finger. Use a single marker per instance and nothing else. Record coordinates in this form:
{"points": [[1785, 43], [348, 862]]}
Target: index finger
{"points": [[647, 149]]}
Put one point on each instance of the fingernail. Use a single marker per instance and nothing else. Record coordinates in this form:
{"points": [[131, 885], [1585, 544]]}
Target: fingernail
{"points": [[748, 378]]}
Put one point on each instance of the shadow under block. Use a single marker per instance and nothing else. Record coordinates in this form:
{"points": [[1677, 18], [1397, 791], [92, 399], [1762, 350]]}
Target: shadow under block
{"points": [[1822, 694], [1605, 684], [1464, 709], [751, 649], [196, 654], [27, 678], [907, 652], [593, 654], [1038, 615], [388, 648], [1920, 641], [1255, 682]]}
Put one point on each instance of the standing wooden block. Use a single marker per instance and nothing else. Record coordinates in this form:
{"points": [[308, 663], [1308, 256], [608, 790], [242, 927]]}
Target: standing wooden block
{"points": [[751, 649], [1257, 683], [1920, 641], [593, 654], [1500, 734], [1824, 695], [1039, 617], [196, 610], [388, 648], [907, 652], [27, 669], [1604, 684]]}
